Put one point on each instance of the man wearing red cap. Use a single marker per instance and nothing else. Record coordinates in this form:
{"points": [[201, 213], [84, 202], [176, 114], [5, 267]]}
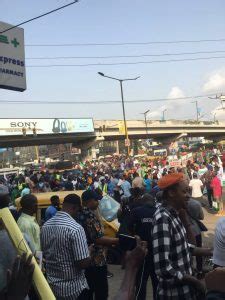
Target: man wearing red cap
{"points": [[171, 250]]}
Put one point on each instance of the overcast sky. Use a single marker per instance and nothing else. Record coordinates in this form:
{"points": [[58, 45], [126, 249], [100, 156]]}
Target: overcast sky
{"points": [[119, 21]]}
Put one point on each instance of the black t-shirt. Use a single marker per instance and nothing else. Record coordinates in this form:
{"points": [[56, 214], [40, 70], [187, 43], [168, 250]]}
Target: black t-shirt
{"points": [[140, 221], [69, 186]]}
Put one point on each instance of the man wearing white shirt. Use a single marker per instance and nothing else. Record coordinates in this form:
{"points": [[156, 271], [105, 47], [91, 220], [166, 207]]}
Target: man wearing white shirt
{"points": [[196, 186]]}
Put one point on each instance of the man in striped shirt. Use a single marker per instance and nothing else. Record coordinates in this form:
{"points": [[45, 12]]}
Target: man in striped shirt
{"points": [[66, 252]]}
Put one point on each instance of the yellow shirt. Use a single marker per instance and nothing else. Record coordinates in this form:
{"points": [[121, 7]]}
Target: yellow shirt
{"points": [[29, 226]]}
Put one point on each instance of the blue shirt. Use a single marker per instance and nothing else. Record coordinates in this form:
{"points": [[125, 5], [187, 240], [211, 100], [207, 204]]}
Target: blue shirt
{"points": [[50, 212], [148, 184]]}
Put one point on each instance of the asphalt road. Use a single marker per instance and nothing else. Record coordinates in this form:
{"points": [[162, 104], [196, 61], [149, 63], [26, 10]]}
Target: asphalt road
{"points": [[115, 282]]}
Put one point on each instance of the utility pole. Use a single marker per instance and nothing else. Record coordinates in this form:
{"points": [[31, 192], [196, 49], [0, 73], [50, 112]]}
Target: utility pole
{"points": [[127, 141], [221, 98], [197, 110], [145, 117]]}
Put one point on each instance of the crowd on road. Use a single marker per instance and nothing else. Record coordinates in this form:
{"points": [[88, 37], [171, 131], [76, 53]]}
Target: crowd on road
{"points": [[160, 205]]}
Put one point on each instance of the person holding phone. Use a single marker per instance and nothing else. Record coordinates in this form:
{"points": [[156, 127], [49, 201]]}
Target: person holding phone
{"points": [[96, 273], [140, 223]]}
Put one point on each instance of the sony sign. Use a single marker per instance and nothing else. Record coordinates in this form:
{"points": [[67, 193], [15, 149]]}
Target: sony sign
{"points": [[23, 124], [12, 58], [45, 126]]}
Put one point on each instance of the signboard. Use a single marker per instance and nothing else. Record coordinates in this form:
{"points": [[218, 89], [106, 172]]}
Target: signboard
{"points": [[160, 152], [12, 58], [75, 150], [175, 163], [45, 126], [186, 158]]}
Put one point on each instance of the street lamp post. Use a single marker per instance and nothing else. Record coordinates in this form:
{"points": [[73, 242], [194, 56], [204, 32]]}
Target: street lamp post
{"points": [[123, 107], [145, 117]]}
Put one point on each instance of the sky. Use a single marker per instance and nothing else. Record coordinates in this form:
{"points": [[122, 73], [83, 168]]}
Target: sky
{"points": [[119, 21]]}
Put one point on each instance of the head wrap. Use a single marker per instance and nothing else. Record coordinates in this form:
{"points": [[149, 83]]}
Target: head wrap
{"points": [[169, 180]]}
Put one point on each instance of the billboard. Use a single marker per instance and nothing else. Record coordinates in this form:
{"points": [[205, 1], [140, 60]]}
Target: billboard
{"points": [[12, 58], [45, 126]]}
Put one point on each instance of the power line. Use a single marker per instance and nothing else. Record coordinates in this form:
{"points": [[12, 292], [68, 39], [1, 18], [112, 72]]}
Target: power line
{"points": [[126, 63], [127, 43], [40, 16], [127, 56], [105, 101]]}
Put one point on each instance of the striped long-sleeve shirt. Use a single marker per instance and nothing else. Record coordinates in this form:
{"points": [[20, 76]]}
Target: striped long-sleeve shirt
{"points": [[63, 243]]}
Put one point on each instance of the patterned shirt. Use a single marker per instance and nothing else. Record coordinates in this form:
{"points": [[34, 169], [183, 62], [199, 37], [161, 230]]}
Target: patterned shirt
{"points": [[29, 226], [172, 258], [93, 230], [63, 243]]}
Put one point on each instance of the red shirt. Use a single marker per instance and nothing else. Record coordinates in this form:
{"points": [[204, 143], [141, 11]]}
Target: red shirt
{"points": [[216, 186]]}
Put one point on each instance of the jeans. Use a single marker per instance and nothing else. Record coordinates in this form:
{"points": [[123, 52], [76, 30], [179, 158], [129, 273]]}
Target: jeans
{"points": [[97, 282], [146, 270], [85, 295]]}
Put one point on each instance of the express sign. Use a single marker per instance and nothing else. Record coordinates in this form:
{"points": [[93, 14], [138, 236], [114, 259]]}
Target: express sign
{"points": [[12, 58]]}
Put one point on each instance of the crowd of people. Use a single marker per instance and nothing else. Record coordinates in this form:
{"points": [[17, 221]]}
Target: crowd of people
{"points": [[160, 205]]}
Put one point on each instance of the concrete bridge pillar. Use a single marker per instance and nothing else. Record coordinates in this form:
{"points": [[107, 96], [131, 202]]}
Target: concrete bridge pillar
{"points": [[88, 149]]}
